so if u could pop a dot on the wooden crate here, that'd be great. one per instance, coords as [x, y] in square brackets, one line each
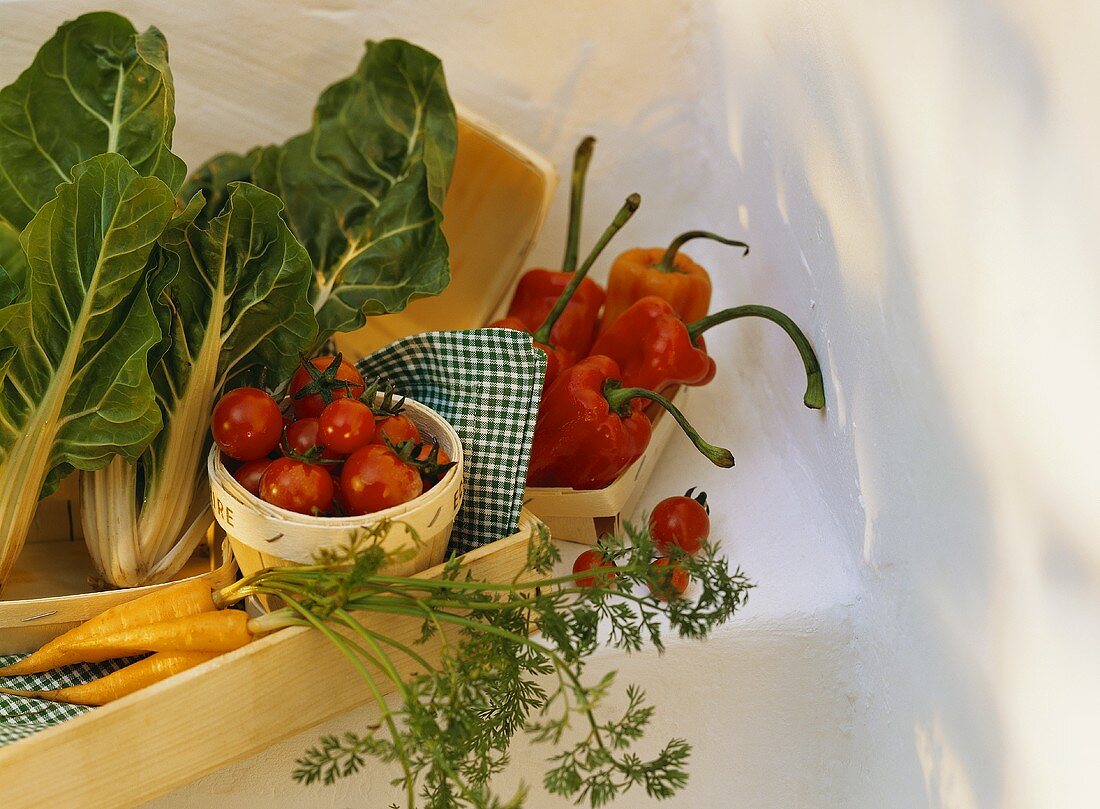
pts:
[585, 516]
[232, 707]
[176, 731]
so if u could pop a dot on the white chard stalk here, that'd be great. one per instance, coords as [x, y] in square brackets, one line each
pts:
[232, 296]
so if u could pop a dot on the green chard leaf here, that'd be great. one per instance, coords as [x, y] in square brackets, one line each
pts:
[364, 186]
[212, 180]
[77, 390]
[13, 265]
[232, 296]
[96, 86]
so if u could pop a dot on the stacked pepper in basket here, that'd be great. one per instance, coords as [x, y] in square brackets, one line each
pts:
[601, 374]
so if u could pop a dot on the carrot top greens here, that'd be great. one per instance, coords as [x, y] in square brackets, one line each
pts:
[513, 659]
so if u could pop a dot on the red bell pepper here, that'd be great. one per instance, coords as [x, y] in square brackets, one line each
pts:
[655, 349]
[539, 289]
[588, 432]
[561, 357]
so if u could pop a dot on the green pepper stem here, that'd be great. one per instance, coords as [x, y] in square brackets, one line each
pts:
[815, 388]
[581, 158]
[542, 335]
[668, 260]
[618, 400]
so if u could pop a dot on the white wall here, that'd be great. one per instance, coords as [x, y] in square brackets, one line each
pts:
[919, 183]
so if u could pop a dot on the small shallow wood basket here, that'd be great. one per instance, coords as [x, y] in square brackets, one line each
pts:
[263, 535]
[585, 516]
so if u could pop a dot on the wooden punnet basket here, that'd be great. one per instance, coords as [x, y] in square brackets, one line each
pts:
[263, 535]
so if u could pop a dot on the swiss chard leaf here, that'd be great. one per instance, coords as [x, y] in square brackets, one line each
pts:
[77, 389]
[241, 284]
[13, 265]
[96, 86]
[233, 296]
[364, 186]
[212, 180]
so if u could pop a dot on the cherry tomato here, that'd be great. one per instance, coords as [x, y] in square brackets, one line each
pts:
[374, 478]
[246, 424]
[397, 429]
[667, 580]
[332, 381]
[304, 434]
[593, 560]
[297, 486]
[250, 473]
[680, 522]
[346, 425]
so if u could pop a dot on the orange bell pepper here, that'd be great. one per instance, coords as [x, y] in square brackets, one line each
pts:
[664, 272]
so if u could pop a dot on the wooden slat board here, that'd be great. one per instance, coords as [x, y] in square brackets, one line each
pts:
[168, 735]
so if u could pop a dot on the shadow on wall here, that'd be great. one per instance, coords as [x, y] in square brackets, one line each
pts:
[816, 173]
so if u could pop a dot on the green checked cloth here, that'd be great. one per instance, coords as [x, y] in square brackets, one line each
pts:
[486, 383]
[21, 717]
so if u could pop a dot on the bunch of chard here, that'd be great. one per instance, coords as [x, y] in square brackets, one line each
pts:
[129, 304]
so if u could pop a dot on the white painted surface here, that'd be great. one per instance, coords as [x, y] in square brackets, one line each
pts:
[919, 184]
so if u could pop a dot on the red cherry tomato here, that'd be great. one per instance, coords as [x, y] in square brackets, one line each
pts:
[336, 382]
[667, 580]
[680, 522]
[297, 486]
[346, 425]
[397, 429]
[250, 473]
[593, 560]
[373, 478]
[246, 424]
[304, 434]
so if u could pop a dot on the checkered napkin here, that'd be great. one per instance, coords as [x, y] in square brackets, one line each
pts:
[21, 717]
[486, 383]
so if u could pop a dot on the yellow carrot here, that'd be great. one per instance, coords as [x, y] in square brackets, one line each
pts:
[220, 631]
[125, 681]
[176, 601]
